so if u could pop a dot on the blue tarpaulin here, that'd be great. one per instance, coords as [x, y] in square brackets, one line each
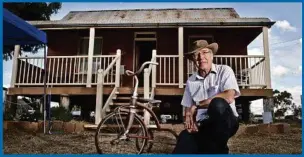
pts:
[16, 31]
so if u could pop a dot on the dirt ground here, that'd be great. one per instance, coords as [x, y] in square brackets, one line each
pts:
[20, 142]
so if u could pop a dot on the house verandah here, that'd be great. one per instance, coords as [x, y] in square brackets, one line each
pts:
[168, 79]
[89, 60]
[73, 67]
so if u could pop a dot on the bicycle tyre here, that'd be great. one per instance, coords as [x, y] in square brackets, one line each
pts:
[155, 140]
[114, 115]
[149, 143]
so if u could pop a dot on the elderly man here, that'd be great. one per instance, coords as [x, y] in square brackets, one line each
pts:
[209, 100]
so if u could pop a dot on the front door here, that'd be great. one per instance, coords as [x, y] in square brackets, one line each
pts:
[143, 53]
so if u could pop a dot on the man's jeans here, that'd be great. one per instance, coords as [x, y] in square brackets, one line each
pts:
[213, 133]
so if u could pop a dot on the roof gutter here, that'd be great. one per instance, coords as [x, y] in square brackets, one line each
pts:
[157, 25]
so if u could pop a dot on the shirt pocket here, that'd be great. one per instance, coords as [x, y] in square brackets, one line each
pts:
[194, 88]
[213, 90]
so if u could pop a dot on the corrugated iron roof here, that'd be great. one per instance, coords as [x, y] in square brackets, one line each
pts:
[201, 16]
[150, 14]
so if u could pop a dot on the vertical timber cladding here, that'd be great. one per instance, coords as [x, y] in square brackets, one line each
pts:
[59, 46]
[167, 44]
[123, 39]
[232, 41]
[113, 39]
[165, 41]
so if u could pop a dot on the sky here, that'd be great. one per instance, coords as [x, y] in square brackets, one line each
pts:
[285, 38]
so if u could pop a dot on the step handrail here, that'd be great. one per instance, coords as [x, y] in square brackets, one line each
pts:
[100, 108]
[147, 73]
[149, 94]
[103, 111]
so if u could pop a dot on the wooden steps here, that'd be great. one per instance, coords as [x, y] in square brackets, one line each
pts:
[122, 98]
[90, 126]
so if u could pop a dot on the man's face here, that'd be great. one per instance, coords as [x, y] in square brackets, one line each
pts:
[204, 59]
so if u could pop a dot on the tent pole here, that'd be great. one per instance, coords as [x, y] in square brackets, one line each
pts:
[44, 104]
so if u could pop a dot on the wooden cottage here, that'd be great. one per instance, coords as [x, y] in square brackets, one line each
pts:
[116, 40]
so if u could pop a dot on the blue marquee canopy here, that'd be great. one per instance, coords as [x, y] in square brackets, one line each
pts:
[16, 31]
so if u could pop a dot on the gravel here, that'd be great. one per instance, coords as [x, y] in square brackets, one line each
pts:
[21, 142]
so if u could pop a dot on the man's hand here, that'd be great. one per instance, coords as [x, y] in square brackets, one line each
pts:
[193, 110]
[191, 120]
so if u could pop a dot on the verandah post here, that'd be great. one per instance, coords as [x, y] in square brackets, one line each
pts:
[154, 69]
[15, 65]
[90, 56]
[99, 97]
[180, 57]
[117, 74]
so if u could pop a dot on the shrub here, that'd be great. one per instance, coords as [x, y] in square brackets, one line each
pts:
[60, 113]
[32, 117]
[8, 115]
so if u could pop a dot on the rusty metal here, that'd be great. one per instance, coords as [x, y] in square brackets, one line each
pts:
[202, 16]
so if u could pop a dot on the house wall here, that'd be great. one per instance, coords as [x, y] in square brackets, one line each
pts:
[113, 39]
[231, 42]
[62, 43]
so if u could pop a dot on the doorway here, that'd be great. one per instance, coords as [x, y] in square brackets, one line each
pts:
[143, 53]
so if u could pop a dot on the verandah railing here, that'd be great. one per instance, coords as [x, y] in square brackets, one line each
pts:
[72, 70]
[249, 69]
[62, 70]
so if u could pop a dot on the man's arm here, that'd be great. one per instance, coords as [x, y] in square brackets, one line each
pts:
[189, 105]
[187, 101]
[228, 95]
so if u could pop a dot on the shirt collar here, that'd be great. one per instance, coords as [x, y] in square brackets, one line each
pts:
[213, 70]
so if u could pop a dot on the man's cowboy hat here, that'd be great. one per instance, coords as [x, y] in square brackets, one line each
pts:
[200, 44]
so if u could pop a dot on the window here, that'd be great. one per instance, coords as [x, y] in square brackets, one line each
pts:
[84, 50]
[84, 46]
[145, 36]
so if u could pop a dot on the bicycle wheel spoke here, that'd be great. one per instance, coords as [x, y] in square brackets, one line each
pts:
[110, 135]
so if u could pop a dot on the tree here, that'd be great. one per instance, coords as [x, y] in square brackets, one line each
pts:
[280, 112]
[297, 111]
[282, 102]
[30, 12]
